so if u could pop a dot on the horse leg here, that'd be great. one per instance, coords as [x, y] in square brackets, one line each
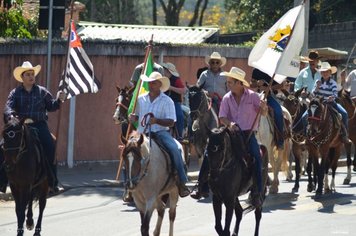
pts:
[145, 220]
[21, 200]
[217, 212]
[258, 216]
[297, 155]
[311, 186]
[320, 177]
[274, 186]
[228, 216]
[238, 214]
[160, 211]
[29, 220]
[347, 180]
[172, 211]
[42, 204]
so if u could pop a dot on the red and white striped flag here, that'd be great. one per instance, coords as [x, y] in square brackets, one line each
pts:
[79, 75]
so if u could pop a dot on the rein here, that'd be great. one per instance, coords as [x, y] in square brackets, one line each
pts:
[143, 172]
[21, 147]
[329, 130]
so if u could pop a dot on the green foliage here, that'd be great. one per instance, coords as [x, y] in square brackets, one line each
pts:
[14, 25]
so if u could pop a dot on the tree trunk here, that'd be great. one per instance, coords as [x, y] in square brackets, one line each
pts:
[172, 11]
[154, 12]
[202, 12]
[196, 14]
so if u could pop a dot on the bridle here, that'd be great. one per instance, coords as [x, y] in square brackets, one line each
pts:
[197, 111]
[21, 147]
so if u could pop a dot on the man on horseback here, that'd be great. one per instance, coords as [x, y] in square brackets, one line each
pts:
[327, 89]
[32, 101]
[309, 74]
[212, 81]
[161, 111]
[239, 109]
[175, 92]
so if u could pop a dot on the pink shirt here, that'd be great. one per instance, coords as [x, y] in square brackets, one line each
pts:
[243, 114]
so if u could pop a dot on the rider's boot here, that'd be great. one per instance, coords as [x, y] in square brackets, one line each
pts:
[201, 192]
[344, 135]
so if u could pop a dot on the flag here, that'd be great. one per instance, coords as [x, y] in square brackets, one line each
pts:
[277, 51]
[79, 75]
[141, 87]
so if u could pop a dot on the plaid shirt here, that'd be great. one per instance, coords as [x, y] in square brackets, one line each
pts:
[33, 104]
[162, 108]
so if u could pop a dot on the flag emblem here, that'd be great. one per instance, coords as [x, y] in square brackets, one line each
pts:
[280, 39]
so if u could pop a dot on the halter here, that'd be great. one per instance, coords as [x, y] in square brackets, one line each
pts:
[21, 147]
[143, 172]
[209, 102]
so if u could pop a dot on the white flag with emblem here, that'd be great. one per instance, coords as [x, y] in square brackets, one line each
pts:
[277, 51]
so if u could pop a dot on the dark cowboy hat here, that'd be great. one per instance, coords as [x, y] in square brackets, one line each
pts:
[313, 55]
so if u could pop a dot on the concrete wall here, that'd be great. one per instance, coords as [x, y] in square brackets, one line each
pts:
[96, 136]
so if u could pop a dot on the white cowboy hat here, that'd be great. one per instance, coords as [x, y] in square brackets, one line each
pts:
[325, 66]
[157, 76]
[26, 65]
[215, 56]
[304, 59]
[171, 67]
[236, 73]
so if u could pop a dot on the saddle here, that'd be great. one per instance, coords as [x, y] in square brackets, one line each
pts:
[335, 115]
[287, 133]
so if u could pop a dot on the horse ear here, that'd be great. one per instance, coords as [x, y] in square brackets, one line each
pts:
[118, 88]
[140, 141]
[123, 139]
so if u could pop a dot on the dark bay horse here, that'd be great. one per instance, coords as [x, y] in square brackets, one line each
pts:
[230, 177]
[122, 105]
[203, 118]
[151, 181]
[26, 171]
[297, 104]
[324, 143]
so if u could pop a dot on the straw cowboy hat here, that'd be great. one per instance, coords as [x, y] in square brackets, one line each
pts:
[237, 74]
[157, 76]
[25, 67]
[215, 56]
[325, 66]
[304, 59]
[171, 67]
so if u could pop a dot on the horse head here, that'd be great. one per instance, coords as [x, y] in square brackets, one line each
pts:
[14, 141]
[122, 104]
[198, 102]
[316, 115]
[133, 159]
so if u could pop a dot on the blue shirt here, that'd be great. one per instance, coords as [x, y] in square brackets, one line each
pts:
[326, 89]
[306, 79]
[34, 104]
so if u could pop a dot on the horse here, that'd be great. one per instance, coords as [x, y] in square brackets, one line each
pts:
[25, 167]
[230, 178]
[203, 118]
[324, 143]
[297, 104]
[122, 105]
[265, 136]
[350, 106]
[150, 179]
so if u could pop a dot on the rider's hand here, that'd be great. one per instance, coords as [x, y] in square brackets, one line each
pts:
[153, 120]
[61, 96]
[133, 117]
[13, 120]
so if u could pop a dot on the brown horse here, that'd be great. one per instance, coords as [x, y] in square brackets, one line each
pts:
[230, 178]
[297, 104]
[122, 105]
[324, 143]
[350, 106]
[26, 171]
[150, 179]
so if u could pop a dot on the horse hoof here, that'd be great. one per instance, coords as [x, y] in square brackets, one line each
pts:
[29, 224]
[273, 190]
[310, 188]
[295, 190]
[346, 181]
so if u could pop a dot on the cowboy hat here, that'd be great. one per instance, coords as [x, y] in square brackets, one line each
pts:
[313, 55]
[304, 59]
[325, 66]
[215, 56]
[238, 74]
[26, 65]
[157, 76]
[171, 68]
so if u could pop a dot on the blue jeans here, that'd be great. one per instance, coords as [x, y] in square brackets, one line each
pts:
[48, 146]
[176, 156]
[278, 117]
[254, 149]
[180, 119]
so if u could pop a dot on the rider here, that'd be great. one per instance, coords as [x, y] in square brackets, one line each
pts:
[33, 101]
[175, 92]
[163, 116]
[309, 74]
[327, 88]
[212, 81]
[262, 78]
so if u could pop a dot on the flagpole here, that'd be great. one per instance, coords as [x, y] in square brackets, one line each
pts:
[63, 76]
[274, 74]
[148, 50]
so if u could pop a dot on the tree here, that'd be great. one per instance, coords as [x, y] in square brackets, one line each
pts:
[172, 10]
[198, 14]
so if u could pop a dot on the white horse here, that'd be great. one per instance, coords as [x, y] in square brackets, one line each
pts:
[150, 180]
[279, 158]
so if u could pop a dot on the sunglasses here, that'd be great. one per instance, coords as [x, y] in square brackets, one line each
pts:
[214, 62]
